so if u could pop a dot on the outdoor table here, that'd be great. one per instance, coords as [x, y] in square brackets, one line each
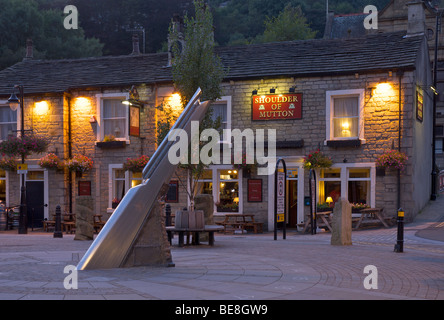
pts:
[373, 212]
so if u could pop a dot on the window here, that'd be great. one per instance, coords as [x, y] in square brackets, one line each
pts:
[136, 178]
[353, 181]
[225, 184]
[8, 122]
[359, 185]
[439, 146]
[330, 185]
[345, 114]
[228, 190]
[113, 116]
[3, 186]
[222, 109]
[118, 185]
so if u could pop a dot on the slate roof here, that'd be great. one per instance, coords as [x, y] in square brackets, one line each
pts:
[345, 26]
[293, 58]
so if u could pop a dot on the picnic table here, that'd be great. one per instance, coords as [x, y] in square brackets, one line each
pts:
[182, 231]
[372, 214]
[323, 219]
[240, 222]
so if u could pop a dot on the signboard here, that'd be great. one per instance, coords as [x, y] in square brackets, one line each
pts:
[134, 121]
[281, 217]
[280, 209]
[277, 107]
[22, 168]
[84, 188]
[254, 190]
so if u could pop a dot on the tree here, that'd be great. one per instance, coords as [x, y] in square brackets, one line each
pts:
[196, 66]
[23, 19]
[290, 24]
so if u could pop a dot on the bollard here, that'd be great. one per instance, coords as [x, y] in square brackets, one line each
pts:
[167, 215]
[399, 246]
[58, 223]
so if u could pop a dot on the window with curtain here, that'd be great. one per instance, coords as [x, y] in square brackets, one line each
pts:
[345, 117]
[8, 122]
[114, 118]
[118, 184]
[219, 110]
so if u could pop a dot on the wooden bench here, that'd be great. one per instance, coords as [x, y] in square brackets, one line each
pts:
[98, 223]
[182, 231]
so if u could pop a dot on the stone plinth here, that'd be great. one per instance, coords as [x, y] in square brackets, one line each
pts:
[84, 218]
[205, 203]
[342, 223]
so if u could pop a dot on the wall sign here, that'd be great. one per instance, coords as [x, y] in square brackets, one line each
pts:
[277, 106]
[419, 106]
[84, 188]
[254, 190]
[134, 121]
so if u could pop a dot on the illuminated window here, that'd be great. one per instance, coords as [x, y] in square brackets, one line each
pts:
[228, 190]
[345, 114]
[3, 186]
[112, 117]
[136, 179]
[8, 122]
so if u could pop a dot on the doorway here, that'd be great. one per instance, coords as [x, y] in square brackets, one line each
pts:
[292, 203]
[35, 198]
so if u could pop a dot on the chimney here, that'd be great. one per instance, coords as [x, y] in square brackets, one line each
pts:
[416, 18]
[136, 49]
[29, 50]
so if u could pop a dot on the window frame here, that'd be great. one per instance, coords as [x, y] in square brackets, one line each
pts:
[4, 103]
[100, 112]
[344, 178]
[330, 96]
[227, 100]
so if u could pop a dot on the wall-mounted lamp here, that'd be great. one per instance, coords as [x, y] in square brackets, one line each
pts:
[434, 90]
[292, 89]
[92, 119]
[272, 90]
[134, 99]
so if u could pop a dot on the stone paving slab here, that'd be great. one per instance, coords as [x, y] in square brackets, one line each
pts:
[238, 267]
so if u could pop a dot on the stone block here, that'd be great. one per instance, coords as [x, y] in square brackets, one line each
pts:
[341, 223]
[84, 218]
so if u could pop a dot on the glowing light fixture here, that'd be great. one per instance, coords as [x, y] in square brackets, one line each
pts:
[41, 108]
[329, 200]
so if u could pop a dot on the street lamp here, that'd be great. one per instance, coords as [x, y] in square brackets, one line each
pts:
[14, 103]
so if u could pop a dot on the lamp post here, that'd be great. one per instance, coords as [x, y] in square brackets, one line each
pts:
[14, 103]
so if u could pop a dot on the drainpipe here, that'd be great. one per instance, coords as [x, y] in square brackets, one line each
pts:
[400, 73]
[69, 153]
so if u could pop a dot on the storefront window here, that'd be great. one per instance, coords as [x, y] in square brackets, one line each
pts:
[3, 186]
[330, 185]
[228, 190]
[359, 186]
[136, 179]
[205, 183]
[118, 185]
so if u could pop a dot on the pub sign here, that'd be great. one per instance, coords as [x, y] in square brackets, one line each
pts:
[277, 106]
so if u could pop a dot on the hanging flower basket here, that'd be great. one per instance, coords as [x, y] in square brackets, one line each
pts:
[18, 146]
[8, 164]
[392, 159]
[136, 164]
[246, 167]
[79, 163]
[317, 160]
[51, 161]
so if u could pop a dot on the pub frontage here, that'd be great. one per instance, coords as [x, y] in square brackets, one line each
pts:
[351, 100]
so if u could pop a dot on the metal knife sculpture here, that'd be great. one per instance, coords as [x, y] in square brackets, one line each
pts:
[113, 244]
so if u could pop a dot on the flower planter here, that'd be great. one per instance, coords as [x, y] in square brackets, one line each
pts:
[111, 144]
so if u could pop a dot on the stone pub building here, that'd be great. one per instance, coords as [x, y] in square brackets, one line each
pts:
[352, 99]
